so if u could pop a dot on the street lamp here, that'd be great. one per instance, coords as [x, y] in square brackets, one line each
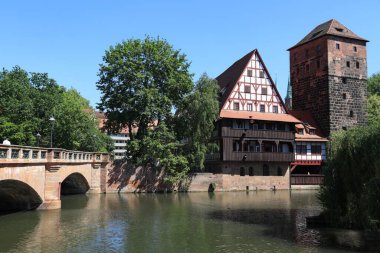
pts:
[52, 120]
[38, 138]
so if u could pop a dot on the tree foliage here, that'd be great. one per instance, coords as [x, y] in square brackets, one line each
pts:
[147, 84]
[352, 176]
[27, 102]
[374, 84]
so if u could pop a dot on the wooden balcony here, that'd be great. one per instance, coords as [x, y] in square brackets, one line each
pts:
[258, 134]
[306, 179]
[259, 157]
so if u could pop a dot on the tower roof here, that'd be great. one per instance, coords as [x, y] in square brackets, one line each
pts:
[331, 27]
[289, 90]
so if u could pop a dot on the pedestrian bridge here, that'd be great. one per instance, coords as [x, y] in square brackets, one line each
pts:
[35, 178]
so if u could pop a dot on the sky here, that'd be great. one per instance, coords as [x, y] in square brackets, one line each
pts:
[67, 39]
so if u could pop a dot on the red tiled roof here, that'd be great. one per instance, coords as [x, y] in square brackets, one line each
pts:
[231, 76]
[258, 116]
[308, 122]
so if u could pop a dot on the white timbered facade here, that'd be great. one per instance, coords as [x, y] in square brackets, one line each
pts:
[254, 91]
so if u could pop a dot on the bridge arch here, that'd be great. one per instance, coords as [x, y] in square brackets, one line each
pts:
[75, 183]
[16, 195]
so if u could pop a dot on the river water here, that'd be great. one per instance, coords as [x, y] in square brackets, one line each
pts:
[261, 221]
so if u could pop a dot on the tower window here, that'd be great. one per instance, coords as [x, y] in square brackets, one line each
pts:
[357, 65]
[344, 80]
[275, 109]
[261, 74]
[337, 46]
[264, 91]
[236, 106]
[344, 96]
[355, 48]
[247, 88]
[249, 72]
[262, 108]
[351, 114]
[318, 48]
[347, 64]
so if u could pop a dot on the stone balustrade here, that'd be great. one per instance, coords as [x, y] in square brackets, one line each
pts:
[26, 154]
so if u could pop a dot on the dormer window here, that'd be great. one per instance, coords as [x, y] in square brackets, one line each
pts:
[300, 131]
[339, 29]
[312, 131]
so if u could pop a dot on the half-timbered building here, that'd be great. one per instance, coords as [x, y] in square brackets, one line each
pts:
[255, 131]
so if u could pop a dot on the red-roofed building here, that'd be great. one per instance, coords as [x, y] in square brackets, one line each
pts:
[255, 132]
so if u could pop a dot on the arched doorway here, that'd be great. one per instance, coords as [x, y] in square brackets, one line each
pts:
[16, 196]
[75, 183]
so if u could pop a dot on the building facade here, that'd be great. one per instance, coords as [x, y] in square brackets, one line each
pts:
[328, 73]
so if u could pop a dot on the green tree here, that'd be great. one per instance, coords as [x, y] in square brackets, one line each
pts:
[374, 84]
[29, 100]
[196, 120]
[373, 109]
[352, 177]
[142, 82]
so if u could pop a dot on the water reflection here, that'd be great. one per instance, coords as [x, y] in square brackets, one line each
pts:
[196, 222]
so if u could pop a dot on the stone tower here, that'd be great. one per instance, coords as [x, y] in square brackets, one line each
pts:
[328, 71]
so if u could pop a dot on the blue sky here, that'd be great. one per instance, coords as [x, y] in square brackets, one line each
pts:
[67, 39]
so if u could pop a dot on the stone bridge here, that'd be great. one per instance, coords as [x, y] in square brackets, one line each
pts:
[32, 177]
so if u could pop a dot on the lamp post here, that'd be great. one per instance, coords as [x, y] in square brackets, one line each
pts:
[52, 120]
[38, 139]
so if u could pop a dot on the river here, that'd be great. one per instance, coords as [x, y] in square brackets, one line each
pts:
[261, 221]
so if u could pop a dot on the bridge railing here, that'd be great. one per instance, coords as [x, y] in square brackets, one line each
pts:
[27, 154]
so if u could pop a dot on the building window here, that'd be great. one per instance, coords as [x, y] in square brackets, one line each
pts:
[344, 96]
[236, 106]
[344, 80]
[318, 64]
[301, 149]
[275, 109]
[262, 108]
[337, 46]
[249, 107]
[236, 145]
[300, 131]
[279, 171]
[318, 48]
[357, 65]
[355, 48]
[351, 114]
[312, 131]
[316, 149]
[249, 72]
[306, 53]
[264, 91]
[250, 171]
[240, 124]
[347, 64]
[265, 170]
[295, 56]
[261, 74]
[247, 88]
[242, 171]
